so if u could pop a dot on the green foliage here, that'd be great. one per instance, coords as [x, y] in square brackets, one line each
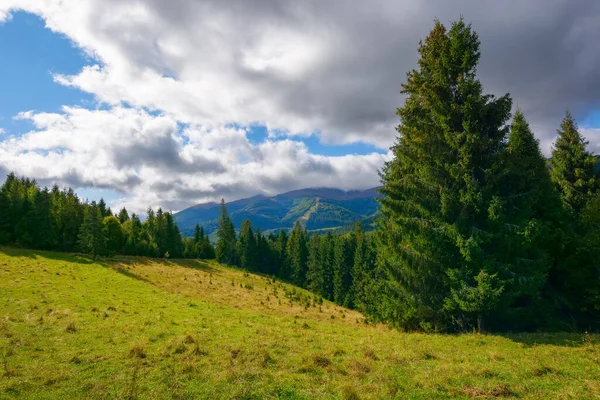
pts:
[92, 237]
[297, 255]
[436, 189]
[57, 220]
[226, 241]
[573, 167]
[247, 248]
[115, 238]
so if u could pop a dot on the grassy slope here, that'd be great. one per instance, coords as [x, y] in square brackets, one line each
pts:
[143, 328]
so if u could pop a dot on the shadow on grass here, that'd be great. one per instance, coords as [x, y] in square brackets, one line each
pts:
[51, 255]
[561, 339]
[175, 262]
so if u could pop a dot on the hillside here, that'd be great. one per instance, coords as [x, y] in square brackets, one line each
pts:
[316, 209]
[146, 328]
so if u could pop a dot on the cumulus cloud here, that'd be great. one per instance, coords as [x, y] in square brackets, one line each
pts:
[152, 162]
[332, 69]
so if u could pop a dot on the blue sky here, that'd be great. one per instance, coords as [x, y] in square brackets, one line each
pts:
[169, 104]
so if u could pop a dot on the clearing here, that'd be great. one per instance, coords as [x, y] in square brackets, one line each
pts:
[144, 328]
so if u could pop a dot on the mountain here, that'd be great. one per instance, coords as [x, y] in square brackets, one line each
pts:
[315, 208]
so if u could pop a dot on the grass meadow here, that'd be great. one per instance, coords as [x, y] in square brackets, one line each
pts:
[132, 328]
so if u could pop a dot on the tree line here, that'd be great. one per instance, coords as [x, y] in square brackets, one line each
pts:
[55, 219]
[337, 267]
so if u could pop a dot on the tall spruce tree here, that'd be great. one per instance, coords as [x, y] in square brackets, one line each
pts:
[246, 247]
[362, 269]
[526, 216]
[297, 253]
[327, 260]
[573, 167]
[314, 275]
[92, 238]
[435, 202]
[226, 242]
[575, 176]
[343, 262]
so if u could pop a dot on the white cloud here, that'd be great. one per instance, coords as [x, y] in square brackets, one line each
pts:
[148, 159]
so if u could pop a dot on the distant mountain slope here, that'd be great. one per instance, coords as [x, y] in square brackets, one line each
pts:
[315, 208]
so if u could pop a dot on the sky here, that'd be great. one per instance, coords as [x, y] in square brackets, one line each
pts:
[169, 104]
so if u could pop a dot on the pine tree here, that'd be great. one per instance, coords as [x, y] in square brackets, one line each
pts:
[123, 215]
[575, 176]
[198, 234]
[92, 239]
[226, 242]
[134, 235]
[102, 208]
[282, 268]
[526, 217]
[113, 231]
[434, 204]
[362, 270]
[314, 275]
[297, 253]
[573, 167]
[344, 249]
[327, 260]
[246, 247]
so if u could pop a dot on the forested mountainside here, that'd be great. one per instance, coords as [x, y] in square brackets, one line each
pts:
[315, 208]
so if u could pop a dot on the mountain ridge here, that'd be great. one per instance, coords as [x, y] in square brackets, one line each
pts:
[315, 208]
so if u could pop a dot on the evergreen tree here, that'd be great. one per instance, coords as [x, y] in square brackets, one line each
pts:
[102, 208]
[327, 260]
[123, 215]
[314, 275]
[573, 167]
[246, 247]
[133, 229]
[113, 231]
[297, 253]
[575, 176]
[226, 242]
[344, 249]
[198, 234]
[282, 268]
[526, 218]
[92, 239]
[435, 202]
[362, 270]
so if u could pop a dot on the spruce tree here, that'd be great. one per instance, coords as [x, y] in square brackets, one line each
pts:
[102, 208]
[344, 248]
[282, 269]
[226, 242]
[526, 217]
[573, 167]
[123, 215]
[327, 260]
[113, 231]
[246, 247]
[314, 275]
[435, 202]
[297, 253]
[92, 239]
[575, 176]
[362, 269]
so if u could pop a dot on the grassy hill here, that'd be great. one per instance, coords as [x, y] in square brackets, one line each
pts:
[144, 328]
[316, 209]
